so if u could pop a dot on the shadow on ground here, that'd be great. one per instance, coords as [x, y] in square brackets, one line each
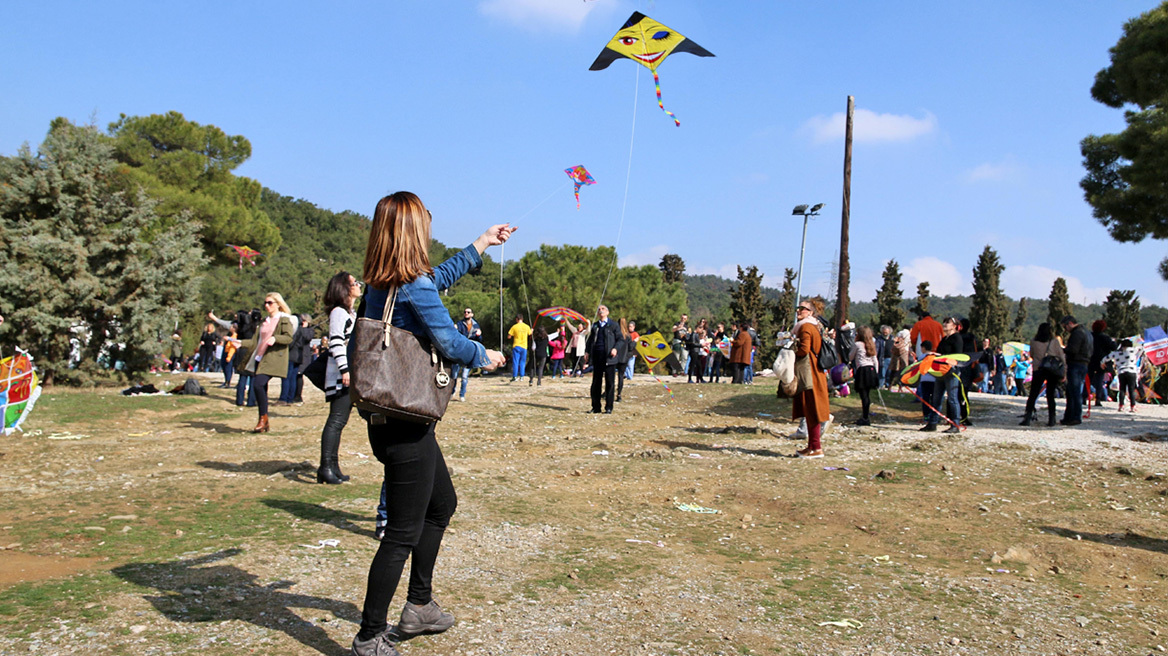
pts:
[698, 446]
[1126, 539]
[301, 472]
[314, 512]
[196, 590]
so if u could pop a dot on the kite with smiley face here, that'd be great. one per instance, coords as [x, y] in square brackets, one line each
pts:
[648, 43]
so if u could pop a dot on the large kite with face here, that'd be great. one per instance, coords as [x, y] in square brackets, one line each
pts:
[648, 43]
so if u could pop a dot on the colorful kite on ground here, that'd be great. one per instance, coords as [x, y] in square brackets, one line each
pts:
[935, 365]
[19, 390]
[1156, 345]
[245, 253]
[648, 43]
[580, 177]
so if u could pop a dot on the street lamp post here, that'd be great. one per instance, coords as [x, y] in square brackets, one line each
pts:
[803, 211]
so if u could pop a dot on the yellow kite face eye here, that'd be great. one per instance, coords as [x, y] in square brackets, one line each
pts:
[648, 42]
[653, 348]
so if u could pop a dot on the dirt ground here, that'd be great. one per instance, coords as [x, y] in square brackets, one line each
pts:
[160, 525]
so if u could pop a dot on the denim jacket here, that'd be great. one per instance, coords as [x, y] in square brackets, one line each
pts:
[419, 309]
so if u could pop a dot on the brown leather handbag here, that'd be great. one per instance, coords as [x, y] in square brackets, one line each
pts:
[394, 373]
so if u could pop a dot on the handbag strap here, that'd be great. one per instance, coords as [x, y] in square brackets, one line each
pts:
[387, 319]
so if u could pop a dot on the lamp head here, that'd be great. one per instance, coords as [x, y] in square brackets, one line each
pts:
[799, 210]
[816, 208]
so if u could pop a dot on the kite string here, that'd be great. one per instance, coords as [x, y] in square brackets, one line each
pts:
[526, 301]
[625, 201]
[503, 260]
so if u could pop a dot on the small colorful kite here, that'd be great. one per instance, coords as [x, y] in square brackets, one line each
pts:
[648, 43]
[653, 349]
[19, 390]
[580, 177]
[936, 365]
[245, 253]
[1011, 351]
[723, 346]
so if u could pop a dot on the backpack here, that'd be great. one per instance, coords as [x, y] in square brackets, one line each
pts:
[827, 357]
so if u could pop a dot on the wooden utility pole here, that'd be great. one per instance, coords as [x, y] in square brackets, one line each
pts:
[841, 303]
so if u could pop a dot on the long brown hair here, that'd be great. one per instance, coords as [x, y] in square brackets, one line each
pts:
[399, 241]
[868, 341]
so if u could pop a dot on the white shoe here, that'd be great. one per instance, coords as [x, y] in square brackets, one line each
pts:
[826, 425]
[462, 398]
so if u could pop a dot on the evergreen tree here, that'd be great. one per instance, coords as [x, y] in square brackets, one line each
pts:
[1058, 306]
[1121, 311]
[1020, 320]
[748, 303]
[74, 263]
[989, 312]
[1126, 171]
[672, 268]
[922, 305]
[890, 297]
[188, 168]
[784, 316]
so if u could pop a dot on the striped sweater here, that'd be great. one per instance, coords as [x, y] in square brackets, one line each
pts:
[341, 323]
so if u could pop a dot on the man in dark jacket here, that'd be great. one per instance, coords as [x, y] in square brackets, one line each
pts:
[1078, 350]
[602, 352]
[293, 385]
[1101, 346]
[969, 370]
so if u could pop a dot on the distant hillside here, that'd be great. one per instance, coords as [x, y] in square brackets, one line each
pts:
[709, 297]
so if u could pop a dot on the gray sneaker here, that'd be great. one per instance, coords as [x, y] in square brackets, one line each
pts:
[378, 645]
[424, 619]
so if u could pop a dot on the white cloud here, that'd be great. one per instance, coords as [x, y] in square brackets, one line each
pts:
[992, 172]
[536, 14]
[1033, 281]
[869, 126]
[944, 279]
[652, 256]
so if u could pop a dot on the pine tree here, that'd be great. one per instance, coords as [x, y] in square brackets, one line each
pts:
[989, 312]
[1121, 311]
[748, 303]
[672, 268]
[74, 262]
[1020, 320]
[922, 305]
[890, 297]
[1058, 306]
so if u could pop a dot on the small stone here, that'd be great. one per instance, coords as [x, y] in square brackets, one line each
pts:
[577, 472]
[178, 532]
[572, 575]
[954, 641]
[123, 518]
[748, 518]
[137, 628]
[126, 529]
[95, 529]
[1020, 633]
[1082, 621]
[886, 474]
[983, 509]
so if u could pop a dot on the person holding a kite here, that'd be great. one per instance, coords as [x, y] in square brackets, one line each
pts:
[810, 401]
[420, 496]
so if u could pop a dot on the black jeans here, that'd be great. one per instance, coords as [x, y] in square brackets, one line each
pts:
[260, 384]
[420, 500]
[606, 374]
[537, 368]
[330, 437]
[1036, 383]
[866, 379]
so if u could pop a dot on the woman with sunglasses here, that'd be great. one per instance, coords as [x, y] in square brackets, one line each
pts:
[810, 403]
[468, 328]
[419, 495]
[269, 349]
[339, 297]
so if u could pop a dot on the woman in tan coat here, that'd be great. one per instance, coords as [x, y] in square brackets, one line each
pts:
[740, 353]
[269, 349]
[810, 402]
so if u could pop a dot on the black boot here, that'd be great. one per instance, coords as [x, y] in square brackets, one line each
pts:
[325, 473]
[338, 473]
[1051, 421]
[1028, 418]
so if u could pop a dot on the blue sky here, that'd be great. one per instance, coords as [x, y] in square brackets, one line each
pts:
[968, 121]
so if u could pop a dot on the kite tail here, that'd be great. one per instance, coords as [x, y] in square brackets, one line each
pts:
[657, 84]
[577, 198]
[665, 385]
[939, 413]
